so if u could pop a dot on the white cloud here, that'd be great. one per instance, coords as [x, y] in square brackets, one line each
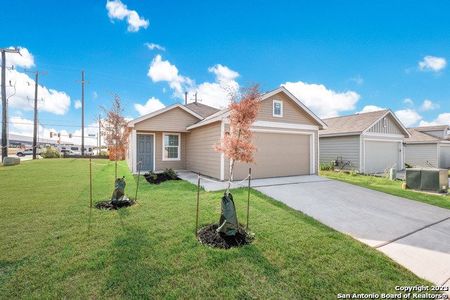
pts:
[118, 10]
[163, 70]
[77, 104]
[153, 46]
[151, 105]
[357, 79]
[408, 117]
[24, 60]
[432, 63]
[370, 108]
[216, 93]
[442, 119]
[428, 105]
[408, 101]
[323, 101]
[50, 100]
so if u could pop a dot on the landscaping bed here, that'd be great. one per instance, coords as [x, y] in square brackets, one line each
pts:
[157, 178]
[209, 236]
[113, 205]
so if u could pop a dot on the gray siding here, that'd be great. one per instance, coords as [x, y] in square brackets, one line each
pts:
[437, 133]
[346, 147]
[390, 127]
[444, 156]
[421, 155]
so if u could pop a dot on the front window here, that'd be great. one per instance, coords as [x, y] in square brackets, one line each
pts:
[277, 108]
[171, 146]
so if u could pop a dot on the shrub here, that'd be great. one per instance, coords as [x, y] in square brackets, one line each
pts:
[50, 152]
[327, 166]
[170, 173]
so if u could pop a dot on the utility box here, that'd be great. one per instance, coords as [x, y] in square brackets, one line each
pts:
[427, 179]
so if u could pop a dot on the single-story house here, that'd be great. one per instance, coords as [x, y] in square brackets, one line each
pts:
[367, 142]
[428, 146]
[182, 137]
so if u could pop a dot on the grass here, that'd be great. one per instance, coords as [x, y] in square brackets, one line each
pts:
[54, 246]
[390, 187]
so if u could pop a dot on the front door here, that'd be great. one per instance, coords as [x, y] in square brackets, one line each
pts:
[144, 150]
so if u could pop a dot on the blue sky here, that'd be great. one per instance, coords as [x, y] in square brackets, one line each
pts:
[337, 57]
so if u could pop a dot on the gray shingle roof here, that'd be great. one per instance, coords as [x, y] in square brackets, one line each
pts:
[356, 123]
[201, 109]
[419, 137]
[431, 128]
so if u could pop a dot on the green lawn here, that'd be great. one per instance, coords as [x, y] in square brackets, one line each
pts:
[54, 246]
[388, 186]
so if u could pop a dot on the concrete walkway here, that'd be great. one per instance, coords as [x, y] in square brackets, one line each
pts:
[414, 234]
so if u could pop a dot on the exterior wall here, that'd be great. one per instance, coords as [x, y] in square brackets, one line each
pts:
[292, 113]
[175, 120]
[444, 156]
[418, 155]
[160, 165]
[391, 127]
[201, 156]
[347, 147]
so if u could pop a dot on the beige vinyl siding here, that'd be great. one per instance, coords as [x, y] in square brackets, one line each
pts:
[417, 155]
[174, 120]
[391, 126]
[292, 113]
[444, 156]
[347, 147]
[201, 156]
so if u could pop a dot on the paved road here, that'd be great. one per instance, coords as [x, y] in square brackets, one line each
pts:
[414, 234]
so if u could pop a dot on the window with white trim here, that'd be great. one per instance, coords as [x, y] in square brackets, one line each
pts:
[277, 108]
[171, 146]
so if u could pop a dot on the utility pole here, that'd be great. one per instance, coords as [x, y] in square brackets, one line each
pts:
[36, 82]
[5, 102]
[82, 113]
[99, 134]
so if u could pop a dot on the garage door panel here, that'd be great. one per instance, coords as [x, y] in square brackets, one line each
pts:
[277, 155]
[381, 155]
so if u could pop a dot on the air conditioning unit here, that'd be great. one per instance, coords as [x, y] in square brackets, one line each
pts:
[427, 179]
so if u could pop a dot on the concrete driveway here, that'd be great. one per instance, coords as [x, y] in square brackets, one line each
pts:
[414, 234]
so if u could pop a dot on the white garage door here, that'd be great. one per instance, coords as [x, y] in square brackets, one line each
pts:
[278, 154]
[380, 156]
[444, 157]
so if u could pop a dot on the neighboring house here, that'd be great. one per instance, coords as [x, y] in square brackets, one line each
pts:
[367, 142]
[182, 137]
[428, 146]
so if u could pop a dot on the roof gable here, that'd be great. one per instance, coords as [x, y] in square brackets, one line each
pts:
[132, 123]
[357, 124]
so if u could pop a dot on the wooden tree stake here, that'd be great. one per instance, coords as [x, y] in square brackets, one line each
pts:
[198, 203]
[90, 181]
[248, 195]
[139, 176]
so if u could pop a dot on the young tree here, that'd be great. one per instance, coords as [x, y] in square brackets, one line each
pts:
[115, 130]
[237, 146]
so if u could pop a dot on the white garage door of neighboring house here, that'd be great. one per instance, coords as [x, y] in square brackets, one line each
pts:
[278, 154]
[444, 157]
[381, 155]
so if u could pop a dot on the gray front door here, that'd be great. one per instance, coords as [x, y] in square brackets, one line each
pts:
[145, 151]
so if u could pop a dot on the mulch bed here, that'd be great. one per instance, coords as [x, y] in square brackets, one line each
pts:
[113, 205]
[209, 236]
[160, 177]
